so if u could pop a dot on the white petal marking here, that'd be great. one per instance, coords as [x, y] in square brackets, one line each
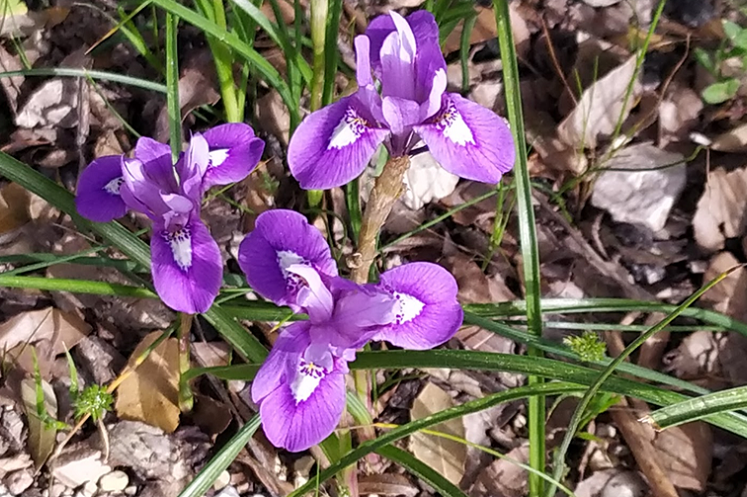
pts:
[286, 259]
[217, 157]
[114, 185]
[452, 125]
[408, 307]
[348, 130]
[307, 380]
[180, 242]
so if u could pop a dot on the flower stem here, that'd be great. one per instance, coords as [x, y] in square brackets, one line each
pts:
[186, 400]
[386, 191]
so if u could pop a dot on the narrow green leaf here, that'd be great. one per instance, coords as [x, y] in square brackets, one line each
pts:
[698, 408]
[415, 466]
[83, 73]
[207, 476]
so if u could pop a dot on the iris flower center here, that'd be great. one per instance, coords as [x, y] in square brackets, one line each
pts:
[180, 242]
[114, 185]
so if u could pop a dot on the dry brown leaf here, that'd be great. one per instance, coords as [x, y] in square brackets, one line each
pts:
[41, 438]
[150, 393]
[426, 181]
[448, 457]
[685, 454]
[54, 103]
[600, 107]
[14, 207]
[274, 116]
[485, 29]
[387, 484]
[721, 210]
[734, 140]
[61, 330]
[503, 477]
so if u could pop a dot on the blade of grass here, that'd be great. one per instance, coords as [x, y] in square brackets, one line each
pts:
[415, 466]
[172, 85]
[527, 236]
[207, 476]
[690, 410]
[85, 73]
[575, 423]
[75, 286]
[331, 51]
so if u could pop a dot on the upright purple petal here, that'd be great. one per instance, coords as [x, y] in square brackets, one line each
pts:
[398, 74]
[234, 153]
[187, 267]
[140, 191]
[469, 140]
[314, 297]
[98, 194]
[427, 311]
[333, 145]
[156, 157]
[305, 409]
[282, 238]
[362, 61]
[192, 168]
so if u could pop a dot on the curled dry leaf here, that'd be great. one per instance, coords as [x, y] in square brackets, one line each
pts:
[446, 456]
[600, 107]
[426, 181]
[41, 437]
[721, 209]
[150, 393]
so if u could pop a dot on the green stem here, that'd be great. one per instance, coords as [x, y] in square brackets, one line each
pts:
[172, 85]
[75, 286]
[527, 235]
[186, 400]
[319, 9]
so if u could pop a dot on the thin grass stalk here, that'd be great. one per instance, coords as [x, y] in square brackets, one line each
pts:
[319, 11]
[527, 236]
[330, 51]
[224, 65]
[575, 423]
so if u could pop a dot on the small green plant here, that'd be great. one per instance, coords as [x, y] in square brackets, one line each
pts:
[94, 400]
[727, 64]
[588, 346]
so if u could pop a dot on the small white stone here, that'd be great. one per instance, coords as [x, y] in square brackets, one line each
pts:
[228, 492]
[18, 481]
[222, 481]
[131, 490]
[114, 482]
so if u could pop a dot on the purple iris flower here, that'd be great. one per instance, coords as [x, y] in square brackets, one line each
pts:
[333, 145]
[186, 263]
[300, 388]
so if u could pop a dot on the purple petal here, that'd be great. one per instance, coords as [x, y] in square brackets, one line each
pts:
[401, 115]
[469, 140]
[304, 411]
[192, 168]
[234, 153]
[283, 357]
[333, 145]
[398, 61]
[313, 296]
[280, 239]
[157, 159]
[98, 194]
[187, 267]
[427, 313]
[139, 191]
[362, 61]
[358, 315]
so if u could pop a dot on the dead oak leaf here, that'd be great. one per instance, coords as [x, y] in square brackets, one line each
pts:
[150, 393]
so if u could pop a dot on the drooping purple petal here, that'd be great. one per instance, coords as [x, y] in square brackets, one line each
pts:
[140, 191]
[98, 194]
[290, 344]
[234, 153]
[427, 311]
[306, 409]
[333, 145]
[280, 239]
[469, 140]
[186, 265]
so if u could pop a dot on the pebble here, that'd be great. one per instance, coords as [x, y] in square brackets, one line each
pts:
[115, 481]
[222, 481]
[131, 490]
[18, 481]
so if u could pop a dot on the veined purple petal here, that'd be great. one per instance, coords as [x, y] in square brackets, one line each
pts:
[289, 346]
[469, 140]
[359, 313]
[282, 238]
[427, 311]
[333, 145]
[401, 115]
[140, 191]
[187, 267]
[306, 408]
[234, 153]
[98, 194]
